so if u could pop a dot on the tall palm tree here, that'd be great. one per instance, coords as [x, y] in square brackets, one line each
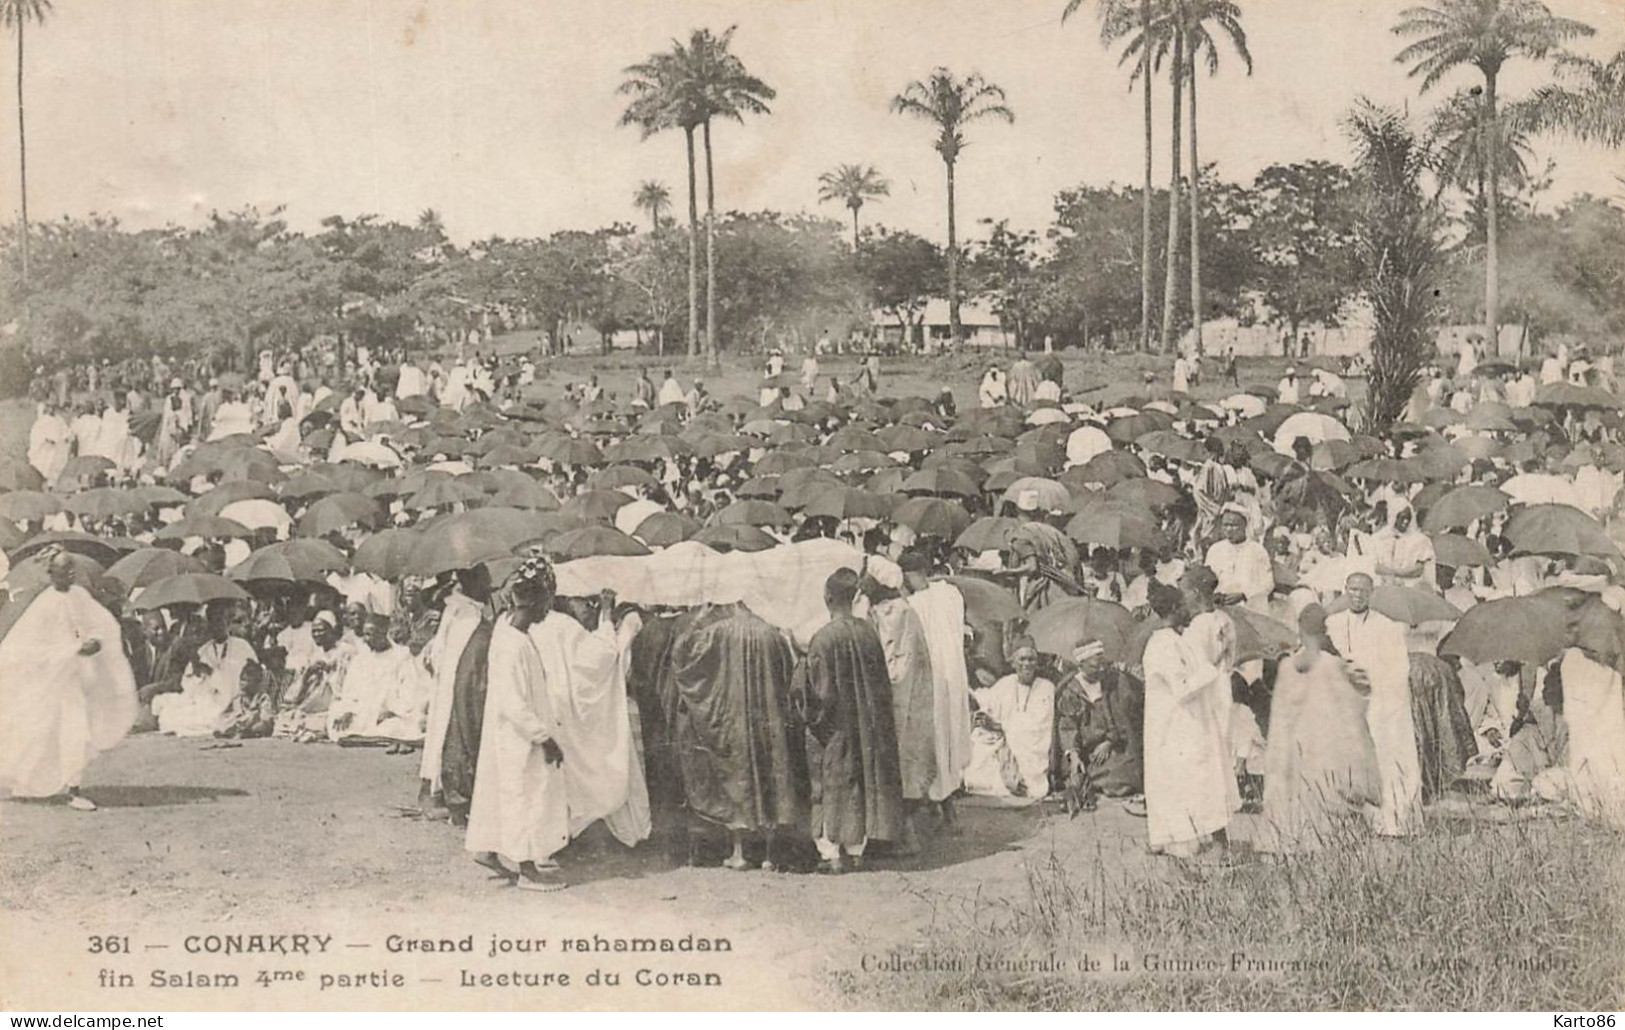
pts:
[951, 103]
[1485, 35]
[852, 185]
[429, 221]
[1460, 144]
[653, 197]
[1118, 10]
[1205, 20]
[723, 88]
[660, 101]
[15, 15]
[1591, 106]
[1151, 41]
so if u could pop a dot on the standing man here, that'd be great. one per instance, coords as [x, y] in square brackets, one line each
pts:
[520, 812]
[1246, 576]
[844, 689]
[941, 609]
[1187, 768]
[908, 666]
[67, 693]
[1376, 644]
[466, 608]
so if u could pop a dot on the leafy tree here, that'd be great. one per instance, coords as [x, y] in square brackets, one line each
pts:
[1589, 104]
[1005, 267]
[901, 272]
[1304, 229]
[950, 104]
[1094, 288]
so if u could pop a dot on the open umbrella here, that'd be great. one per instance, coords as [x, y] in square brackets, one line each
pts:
[106, 502]
[339, 511]
[1386, 470]
[986, 603]
[592, 541]
[150, 565]
[34, 572]
[1044, 494]
[941, 481]
[1511, 629]
[28, 506]
[1145, 493]
[570, 450]
[1317, 427]
[1073, 621]
[932, 516]
[387, 553]
[189, 588]
[206, 527]
[1258, 637]
[1558, 529]
[465, 539]
[617, 476]
[799, 486]
[734, 537]
[528, 494]
[760, 488]
[751, 513]
[1567, 395]
[258, 513]
[294, 561]
[1107, 468]
[1408, 605]
[1459, 551]
[988, 534]
[848, 503]
[1465, 505]
[1170, 444]
[19, 475]
[443, 492]
[665, 528]
[595, 505]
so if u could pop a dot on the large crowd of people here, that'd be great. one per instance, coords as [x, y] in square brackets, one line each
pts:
[823, 616]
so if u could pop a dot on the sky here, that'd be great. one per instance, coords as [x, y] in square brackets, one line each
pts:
[502, 114]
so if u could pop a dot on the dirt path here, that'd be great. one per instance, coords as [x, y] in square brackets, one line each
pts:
[278, 838]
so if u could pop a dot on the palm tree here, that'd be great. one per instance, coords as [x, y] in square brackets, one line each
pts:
[661, 101]
[1153, 40]
[1202, 18]
[852, 185]
[429, 221]
[951, 103]
[1118, 10]
[1457, 135]
[1591, 110]
[724, 89]
[1482, 34]
[653, 197]
[15, 15]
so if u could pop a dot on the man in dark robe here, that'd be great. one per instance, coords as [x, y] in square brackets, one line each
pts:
[845, 693]
[460, 755]
[1099, 717]
[1444, 735]
[651, 682]
[743, 763]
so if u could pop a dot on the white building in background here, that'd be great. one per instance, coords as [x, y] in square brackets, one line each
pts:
[1222, 334]
[981, 325]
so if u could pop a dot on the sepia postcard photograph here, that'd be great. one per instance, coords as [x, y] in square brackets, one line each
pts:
[812, 505]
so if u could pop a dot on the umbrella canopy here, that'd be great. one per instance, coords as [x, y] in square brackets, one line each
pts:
[1540, 488]
[570, 450]
[1567, 395]
[1386, 470]
[258, 513]
[986, 603]
[592, 541]
[469, 538]
[989, 534]
[150, 565]
[105, 550]
[190, 588]
[106, 502]
[1408, 605]
[932, 516]
[1459, 551]
[1317, 427]
[387, 554]
[734, 537]
[942, 481]
[752, 513]
[1170, 444]
[1465, 505]
[665, 528]
[1073, 621]
[1145, 493]
[595, 505]
[1107, 468]
[295, 561]
[35, 572]
[1511, 629]
[1258, 637]
[443, 492]
[19, 475]
[156, 495]
[528, 494]
[28, 506]
[760, 488]
[848, 503]
[1127, 430]
[206, 527]
[371, 453]
[1115, 524]
[649, 448]
[617, 476]
[799, 486]
[337, 512]
[1558, 529]
[1043, 494]
[863, 461]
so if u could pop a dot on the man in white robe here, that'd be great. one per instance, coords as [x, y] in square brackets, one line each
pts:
[520, 812]
[1188, 774]
[50, 443]
[1376, 644]
[466, 607]
[670, 392]
[209, 685]
[233, 418]
[1595, 713]
[941, 609]
[1018, 713]
[1213, 637]
[382, 695]
[67, 692]
[1245, 573]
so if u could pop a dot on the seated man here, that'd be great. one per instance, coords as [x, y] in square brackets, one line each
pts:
[1534, 763]
[212, 680]
[252, 712]
[1013, 725]
[1099, 718]
[302, 710]
[382, 697]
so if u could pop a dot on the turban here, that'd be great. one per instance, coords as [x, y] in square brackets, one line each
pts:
[535, 577]
[326, 618]
[884, 571]
[1022, 643]
[1093, 649]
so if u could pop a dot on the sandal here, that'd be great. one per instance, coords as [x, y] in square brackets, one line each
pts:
[545, 885]
[495, 865]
